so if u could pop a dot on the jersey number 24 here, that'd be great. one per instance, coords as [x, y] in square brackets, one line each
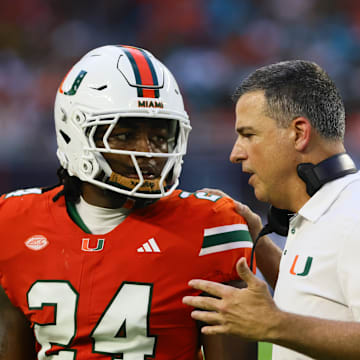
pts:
[127, 313]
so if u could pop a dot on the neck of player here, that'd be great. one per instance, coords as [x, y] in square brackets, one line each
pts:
[97, 196]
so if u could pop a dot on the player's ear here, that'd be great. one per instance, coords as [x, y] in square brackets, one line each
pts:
[302, 132]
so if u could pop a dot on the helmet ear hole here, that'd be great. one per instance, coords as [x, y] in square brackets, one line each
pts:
[86, 167]
[79, 117]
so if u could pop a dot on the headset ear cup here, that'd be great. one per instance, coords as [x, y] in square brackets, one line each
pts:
[334, 167]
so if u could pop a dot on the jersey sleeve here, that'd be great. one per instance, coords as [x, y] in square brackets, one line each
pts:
[226, 239]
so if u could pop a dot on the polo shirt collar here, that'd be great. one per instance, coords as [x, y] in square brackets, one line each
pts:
[321, 201]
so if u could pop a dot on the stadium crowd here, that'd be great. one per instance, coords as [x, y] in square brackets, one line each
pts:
[209, 45]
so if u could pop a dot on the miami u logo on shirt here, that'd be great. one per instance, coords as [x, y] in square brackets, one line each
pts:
[306, 269]
[85, 245]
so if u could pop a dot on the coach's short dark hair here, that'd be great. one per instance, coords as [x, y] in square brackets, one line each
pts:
[299, 88]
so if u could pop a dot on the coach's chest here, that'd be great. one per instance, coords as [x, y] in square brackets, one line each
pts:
[308, 280]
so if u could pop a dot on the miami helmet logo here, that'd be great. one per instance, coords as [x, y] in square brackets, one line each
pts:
[75, 85]
[150, 104]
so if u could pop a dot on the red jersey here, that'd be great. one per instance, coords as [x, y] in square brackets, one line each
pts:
[118, 295]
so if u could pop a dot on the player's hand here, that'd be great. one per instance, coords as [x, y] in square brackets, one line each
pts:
[253, 220]
[250, 313]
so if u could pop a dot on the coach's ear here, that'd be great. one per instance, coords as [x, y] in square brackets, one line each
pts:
[302, 133]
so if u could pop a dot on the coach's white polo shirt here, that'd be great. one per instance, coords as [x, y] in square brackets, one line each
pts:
[320, 266]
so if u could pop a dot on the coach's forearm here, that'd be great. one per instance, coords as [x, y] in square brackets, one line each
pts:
[268, 257]
[317, 338]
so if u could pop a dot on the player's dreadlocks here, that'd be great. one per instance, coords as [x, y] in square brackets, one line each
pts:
[72, 186]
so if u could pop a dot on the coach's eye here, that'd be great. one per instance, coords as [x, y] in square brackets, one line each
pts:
[248, 135]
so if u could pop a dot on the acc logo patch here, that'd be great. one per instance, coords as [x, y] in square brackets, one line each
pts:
[36, 242]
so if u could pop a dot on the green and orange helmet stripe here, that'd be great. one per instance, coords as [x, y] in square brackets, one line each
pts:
[144, 71]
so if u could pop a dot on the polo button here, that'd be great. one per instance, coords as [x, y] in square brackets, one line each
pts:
[293, 231]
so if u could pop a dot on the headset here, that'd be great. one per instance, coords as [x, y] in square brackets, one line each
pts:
[314, 176]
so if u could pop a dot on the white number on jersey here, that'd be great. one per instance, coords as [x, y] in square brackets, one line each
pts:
[200, 195]
[128, 311]
[63, 297]
[121, 330]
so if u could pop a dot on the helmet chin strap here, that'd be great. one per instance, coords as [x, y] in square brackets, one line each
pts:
[149, 186]
[113, 178]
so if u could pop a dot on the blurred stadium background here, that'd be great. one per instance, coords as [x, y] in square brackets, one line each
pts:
[210, 45]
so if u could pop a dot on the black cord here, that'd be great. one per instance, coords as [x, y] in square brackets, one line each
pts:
[264, 231]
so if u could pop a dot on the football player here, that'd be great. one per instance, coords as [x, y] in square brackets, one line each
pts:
[96, 267]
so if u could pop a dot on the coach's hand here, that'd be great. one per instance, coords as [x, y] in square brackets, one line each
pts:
[253, 220]
[250, 313]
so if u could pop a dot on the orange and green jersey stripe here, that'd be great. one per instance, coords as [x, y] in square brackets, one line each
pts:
[223, 238]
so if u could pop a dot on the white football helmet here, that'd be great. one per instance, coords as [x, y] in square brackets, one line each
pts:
[107, 84]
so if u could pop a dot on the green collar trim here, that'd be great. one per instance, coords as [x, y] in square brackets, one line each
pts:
[75, 217]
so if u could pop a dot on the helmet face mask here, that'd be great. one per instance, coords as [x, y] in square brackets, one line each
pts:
[104, 89]
[128, 167]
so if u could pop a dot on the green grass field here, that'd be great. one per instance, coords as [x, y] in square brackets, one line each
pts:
[265, 351]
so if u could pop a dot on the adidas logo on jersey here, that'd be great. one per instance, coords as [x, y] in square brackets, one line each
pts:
[149, 246]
